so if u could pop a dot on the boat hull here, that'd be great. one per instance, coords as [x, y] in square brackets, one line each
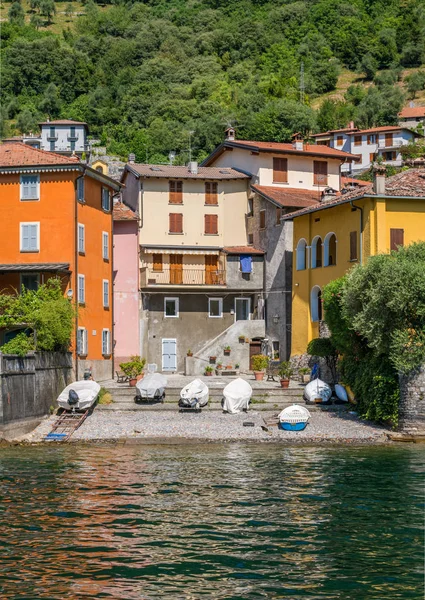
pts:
[87, 392]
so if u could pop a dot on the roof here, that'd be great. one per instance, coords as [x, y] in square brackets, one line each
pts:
[242, 250]
[407, 184]
[52, 267]
[344, 130]
[124, 213]
[412, 112]
[63, 122]
[17, 154]
[281, 148]
[346, 181]
[288, 197]
[182, 172]
[356, 131]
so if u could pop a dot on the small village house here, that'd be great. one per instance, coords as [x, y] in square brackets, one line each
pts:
[57, 222]
[411, 116]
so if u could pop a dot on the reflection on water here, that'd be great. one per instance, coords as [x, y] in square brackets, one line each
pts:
[213, 521]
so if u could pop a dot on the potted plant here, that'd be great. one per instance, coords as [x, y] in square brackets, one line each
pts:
[133, 369]
[241, 339]
[227, 350]
[305, 374]
[208, 371]
[237, 365]
[229, 367]
[260, 363]
[189, 352]
[285, 373]
[219, 366]
[212, 360]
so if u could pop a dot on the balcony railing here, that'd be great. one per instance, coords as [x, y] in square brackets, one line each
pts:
[182, 276]
[392, 144]
[73, 138]
[52, 138]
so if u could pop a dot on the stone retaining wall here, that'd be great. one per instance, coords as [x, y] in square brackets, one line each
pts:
[412, 398]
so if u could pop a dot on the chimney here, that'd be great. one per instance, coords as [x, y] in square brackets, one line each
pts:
[298, 142]
[379, 176]
[132, 158]
[328, 195]
[193, 167]
[230, 134]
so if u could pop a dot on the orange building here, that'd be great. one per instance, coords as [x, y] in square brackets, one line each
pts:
[57, 222]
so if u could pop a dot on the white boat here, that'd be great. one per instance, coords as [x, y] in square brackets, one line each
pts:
[237, 395]
[317, 391]
[79, 395]
[151, 387]
[294, 418]
[194, 395]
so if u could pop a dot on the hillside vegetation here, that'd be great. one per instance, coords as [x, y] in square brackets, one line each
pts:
[157, 76]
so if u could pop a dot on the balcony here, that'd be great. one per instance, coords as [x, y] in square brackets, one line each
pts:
[52, 138]
[392, 144]
[73, 138]
[185, 276]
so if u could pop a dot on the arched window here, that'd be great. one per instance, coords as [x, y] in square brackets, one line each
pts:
[301, 255]
[316, 252]
[100, 169]
[316, 304]
[330, 249]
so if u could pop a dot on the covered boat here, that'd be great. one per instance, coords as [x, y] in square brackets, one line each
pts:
[194, 395]
[341, 392]
[151, 387]
[237, 395]
[79, 395]
[317, 391]
[294, 418]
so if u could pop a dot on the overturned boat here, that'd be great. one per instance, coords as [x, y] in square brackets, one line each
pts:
[294, 418]
[237, 395]
[151, 387]
[194, 395]
[317, 391]
[80, 395]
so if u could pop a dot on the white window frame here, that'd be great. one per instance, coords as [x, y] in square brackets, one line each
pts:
[21, 236]
[82, 342]
[37, 198]
[105, 293]
[81, 289]
[249, 307]
[176, 300]
[105, 236]
[106, 349]
[220, 306]
[81, 247]
[104, 190]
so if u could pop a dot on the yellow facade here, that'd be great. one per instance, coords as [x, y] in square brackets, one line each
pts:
[380, 216]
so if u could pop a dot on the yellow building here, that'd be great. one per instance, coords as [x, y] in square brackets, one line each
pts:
[331, 237]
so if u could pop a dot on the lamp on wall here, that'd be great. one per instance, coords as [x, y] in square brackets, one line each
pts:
[276, 319]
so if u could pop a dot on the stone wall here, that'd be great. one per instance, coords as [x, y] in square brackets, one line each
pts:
[412, 398]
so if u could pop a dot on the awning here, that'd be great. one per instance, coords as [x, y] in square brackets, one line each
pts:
[196, 252]
[47, 267]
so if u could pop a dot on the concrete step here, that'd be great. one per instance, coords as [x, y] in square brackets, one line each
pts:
[172, 393]
[212, 406]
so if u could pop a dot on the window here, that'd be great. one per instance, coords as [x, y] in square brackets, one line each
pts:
[357, 140]
[339, 140]
[215, 308]
[81, 289]
[262, 219]
[359, 156]
[30, 237]
[250, 239]
[211, 224]
[316, 304]
[52, 146]
[100, 169]
[175, 192]
[371, 157]
[171, 307]
[390, 155]
[176, 223]
[371, 139]
[278, 215]
[80, 189]
[82, 345]
[242, 309]
[30, 281]
[275, 350]
[211, 194]
[105, 245]
[316, 253]
[157, 263]
[396, 238]
[280, 170]
[301, 255]
[81, 238]
[51, 132]
[320, 172]
[106, 199]
[330, 250]
[353, 245]
[30, 187]
[106, 342]
[105, 293]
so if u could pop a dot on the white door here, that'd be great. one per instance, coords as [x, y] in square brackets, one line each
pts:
[169, 355]
[242, 309]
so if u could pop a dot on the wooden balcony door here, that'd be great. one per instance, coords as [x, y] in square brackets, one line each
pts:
[388, 140]
[176, 269]
[211, 270]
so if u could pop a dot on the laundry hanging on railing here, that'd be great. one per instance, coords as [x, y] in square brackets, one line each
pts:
[246, 263]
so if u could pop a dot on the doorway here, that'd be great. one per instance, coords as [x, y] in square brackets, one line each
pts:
[176, 269]
[169, 354]
[254, 348]
[242, 309]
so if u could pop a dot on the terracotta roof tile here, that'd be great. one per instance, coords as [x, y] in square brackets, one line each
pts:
[412, 112]
[288, 197]
[347, 181]
[63, 122]
[124, 213]
[20, 155]
[308, 149]
[183, 172]
[242, 250]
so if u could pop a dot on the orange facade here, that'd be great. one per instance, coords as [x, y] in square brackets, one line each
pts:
[55, 234]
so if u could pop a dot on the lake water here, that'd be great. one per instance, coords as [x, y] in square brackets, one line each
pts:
[230, 521]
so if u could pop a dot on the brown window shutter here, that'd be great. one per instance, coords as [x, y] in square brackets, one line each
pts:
[357, 140]
[353, 245]
[157, 262]
[211, 193]
[207, 193]
[396, 238]
[176, 223]
[280, 170]
[176, 192]
[262, 219]
[211, 224]
[371, 157]
[320, 172]
[388, 139]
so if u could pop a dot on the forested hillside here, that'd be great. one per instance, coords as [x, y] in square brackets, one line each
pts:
[154, 76]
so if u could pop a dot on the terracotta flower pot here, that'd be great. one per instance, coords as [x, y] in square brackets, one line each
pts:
[208, 374]
[229, 367]
[306, 378]
[284, 383]
[139, 377]
[227, 353]
[259, 375]
[133, 382]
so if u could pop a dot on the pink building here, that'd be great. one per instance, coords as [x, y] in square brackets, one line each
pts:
[126, 284]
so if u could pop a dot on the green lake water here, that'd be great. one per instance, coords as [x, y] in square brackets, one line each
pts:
[233, 521]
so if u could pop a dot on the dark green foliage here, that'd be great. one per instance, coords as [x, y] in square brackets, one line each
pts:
[21, 344]
[416, 82]
[325, 348]
[16, 14]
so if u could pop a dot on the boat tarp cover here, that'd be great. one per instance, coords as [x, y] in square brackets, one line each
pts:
[152, 384]
[196, 389]
[86, 389]
[237, 395]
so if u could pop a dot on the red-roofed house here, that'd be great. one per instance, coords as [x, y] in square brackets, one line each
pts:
[411, 116]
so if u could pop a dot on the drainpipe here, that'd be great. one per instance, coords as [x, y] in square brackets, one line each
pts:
[76, 268]
[361, 228]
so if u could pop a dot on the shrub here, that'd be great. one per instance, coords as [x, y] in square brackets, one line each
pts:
[325, 348]
[133, 367]
[20, 345]
[285, 370]
[260, 362]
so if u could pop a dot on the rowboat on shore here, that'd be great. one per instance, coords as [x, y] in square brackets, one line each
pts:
[194, 395]
[80, 395]
[237, 395]
[317, 391]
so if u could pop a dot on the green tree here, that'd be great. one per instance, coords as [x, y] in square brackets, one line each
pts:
[50, 103]
[415, 83]
[69, 10]
[36, 21]
[16, 14]
[368, 66]
[35, 4]
[26, 121]
[47, 9]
